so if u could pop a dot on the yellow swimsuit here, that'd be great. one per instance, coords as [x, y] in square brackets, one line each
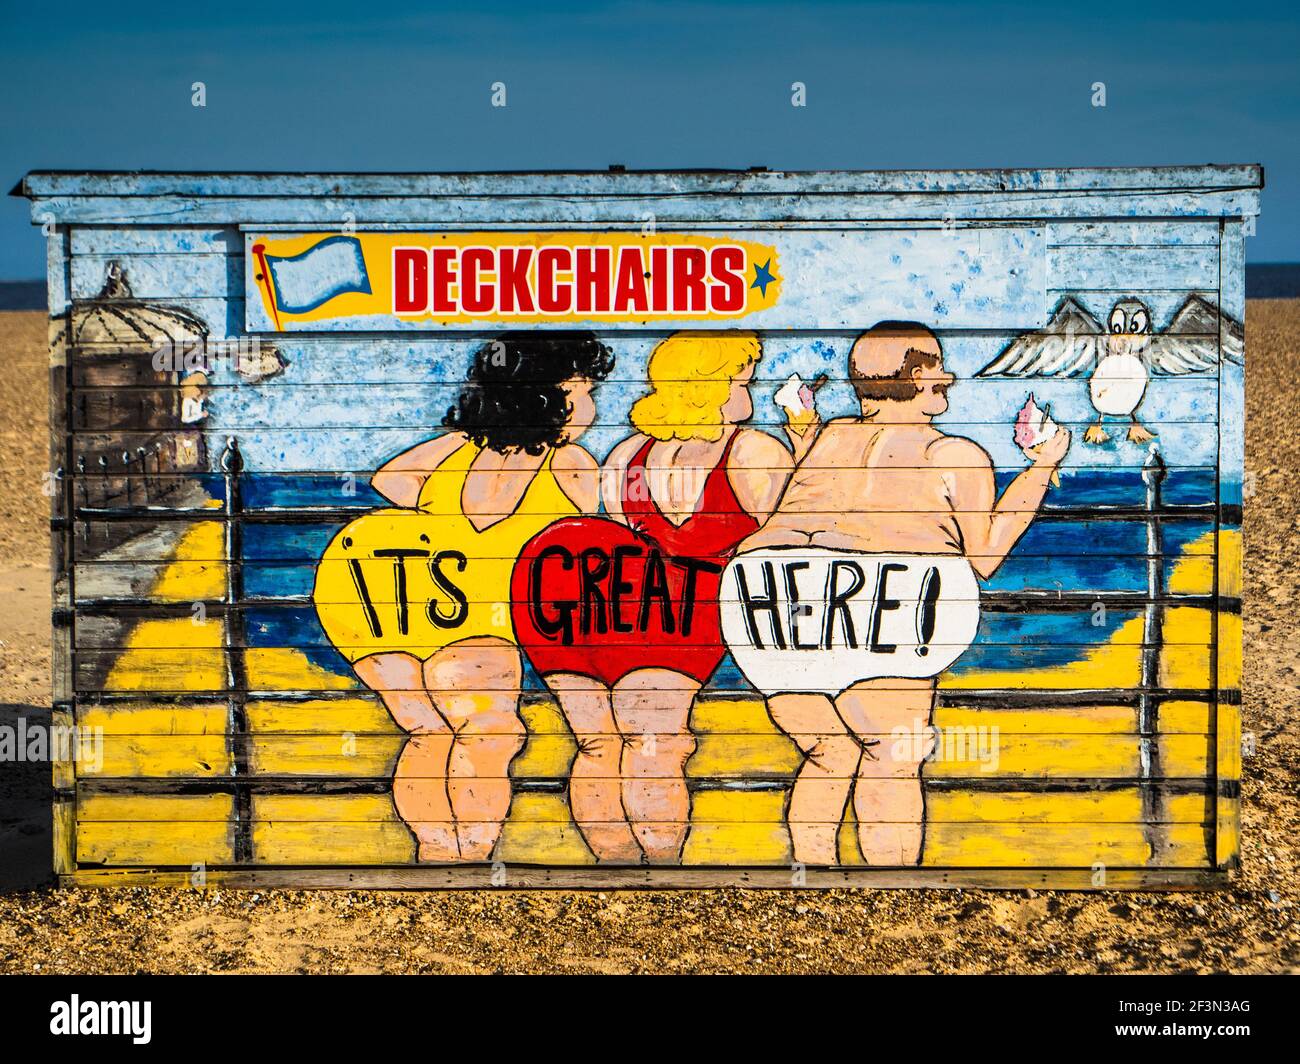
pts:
[418, 580]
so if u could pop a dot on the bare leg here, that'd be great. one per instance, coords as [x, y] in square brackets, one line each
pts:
[475, 683]
[420, 777]
[892, 720]
[652, 708]
[595, 789]
[821, 788]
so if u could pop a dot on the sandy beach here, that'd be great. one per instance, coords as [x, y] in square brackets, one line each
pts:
[1249, 927]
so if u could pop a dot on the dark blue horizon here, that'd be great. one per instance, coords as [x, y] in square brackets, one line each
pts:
[315, 87]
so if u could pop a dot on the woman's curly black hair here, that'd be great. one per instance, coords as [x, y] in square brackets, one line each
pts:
[513, 399]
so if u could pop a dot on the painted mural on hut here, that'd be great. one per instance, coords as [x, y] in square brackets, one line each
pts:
[626, 564]
[835, 565]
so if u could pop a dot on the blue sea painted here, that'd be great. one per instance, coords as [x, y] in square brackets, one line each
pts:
[1094, 555]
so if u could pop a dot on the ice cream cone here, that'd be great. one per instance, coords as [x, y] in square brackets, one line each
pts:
[798, 402]
[800, 420]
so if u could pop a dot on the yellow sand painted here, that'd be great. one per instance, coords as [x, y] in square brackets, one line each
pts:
[1194, 573]
[363, 715]
[550, 748]
[145, 718]
[1081, 845]
[185, 653]
[1227, 845]
[126, 808]
[179, 653]
[325, 755]
[541, 831]
[745, 827]
[180, 830]
[1229, 753]
[1099, 807]
[354, 737]
[364, 829]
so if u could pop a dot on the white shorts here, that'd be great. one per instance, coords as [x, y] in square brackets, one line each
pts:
[811, 619]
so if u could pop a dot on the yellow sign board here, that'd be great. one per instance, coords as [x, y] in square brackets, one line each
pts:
[457, 279]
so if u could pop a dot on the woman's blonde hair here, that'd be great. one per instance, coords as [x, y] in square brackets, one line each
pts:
[690, 376]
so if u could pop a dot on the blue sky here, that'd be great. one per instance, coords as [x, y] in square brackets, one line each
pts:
[333, 86]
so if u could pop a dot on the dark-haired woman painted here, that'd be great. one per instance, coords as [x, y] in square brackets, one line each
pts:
[417, 597]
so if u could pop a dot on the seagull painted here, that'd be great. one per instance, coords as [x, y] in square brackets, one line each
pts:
[1121, 357]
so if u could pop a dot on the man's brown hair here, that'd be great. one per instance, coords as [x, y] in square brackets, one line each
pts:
[897, 385]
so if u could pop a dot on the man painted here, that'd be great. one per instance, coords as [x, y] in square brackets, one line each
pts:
[887, 505]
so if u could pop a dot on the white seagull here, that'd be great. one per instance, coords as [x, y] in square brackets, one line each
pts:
[1121, 357]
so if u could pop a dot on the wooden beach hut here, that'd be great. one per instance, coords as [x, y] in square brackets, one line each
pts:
[1070, 655]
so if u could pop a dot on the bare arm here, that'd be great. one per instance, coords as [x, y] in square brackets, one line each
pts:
[613, 475]
[400, 479]
[759, 468]
[578, 475]
[989, 528]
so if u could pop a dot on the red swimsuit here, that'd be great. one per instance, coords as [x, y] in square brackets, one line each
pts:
[598, 598]
[711, 532]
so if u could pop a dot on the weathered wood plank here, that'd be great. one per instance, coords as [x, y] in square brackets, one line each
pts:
[363, 714]
[723, 183]
[714, 807]
[751, 843]
[1229, 561]
[1148, 233]
[147, 240]
[153, 843]
[65, 830]
[481, 877]
[174, 756]
[414, 409]
[671, 210]
[439, 362]
[999, 633]
[292, 576]
[223, 316]
[62, 558]
[717, 757]
[164, 276]
[1041, 845]
[272, 669]
[289, 550]
[289, 452]
[1132, 268]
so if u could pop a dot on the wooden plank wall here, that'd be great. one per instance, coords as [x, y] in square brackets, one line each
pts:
[299, 773]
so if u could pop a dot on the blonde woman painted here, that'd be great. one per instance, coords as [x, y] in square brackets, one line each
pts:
[691, 482]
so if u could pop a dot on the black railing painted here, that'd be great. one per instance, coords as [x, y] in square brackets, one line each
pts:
[1146, 698]
[236, 642]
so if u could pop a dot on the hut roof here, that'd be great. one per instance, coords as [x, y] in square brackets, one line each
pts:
[116, 320]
